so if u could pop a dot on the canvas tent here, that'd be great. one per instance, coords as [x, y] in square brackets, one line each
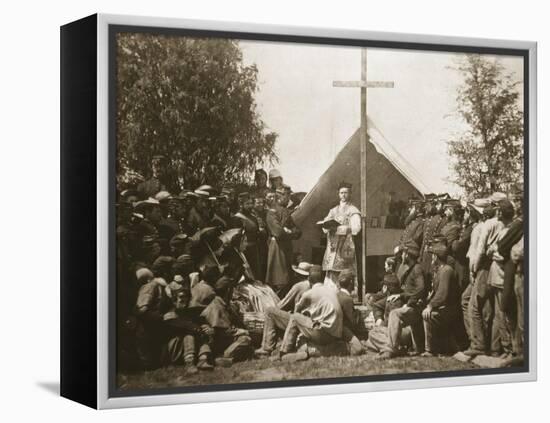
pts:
[387, 171]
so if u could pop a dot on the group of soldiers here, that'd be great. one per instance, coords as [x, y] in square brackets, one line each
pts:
[180, 258]
[456, 281]
[190, 265]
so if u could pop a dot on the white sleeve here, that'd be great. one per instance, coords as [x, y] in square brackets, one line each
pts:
[355, 223]
[328, 217]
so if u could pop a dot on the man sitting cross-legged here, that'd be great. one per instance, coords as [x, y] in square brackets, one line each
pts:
[348, 343]
[276, 318]
[189, 336]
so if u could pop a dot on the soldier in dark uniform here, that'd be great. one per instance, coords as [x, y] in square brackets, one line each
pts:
[153, 185]
[151, 305]
[282, 231]
[188, 335]
[450, 229]
[199, 215]
[389, 341]
[414, 225]
[229, 192]
[167, 227]
[176, 221]
[149, 251]
[260, 215]
[151, 216]
[442, 310]
[432, 227]
[222, 214]
[250, 240]
[260, 183]
[180, 244]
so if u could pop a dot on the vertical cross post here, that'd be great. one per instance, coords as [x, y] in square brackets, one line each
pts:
[363, 84]
[364, 138]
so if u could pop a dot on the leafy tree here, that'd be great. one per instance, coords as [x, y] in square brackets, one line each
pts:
[191, 100]
[488, 156]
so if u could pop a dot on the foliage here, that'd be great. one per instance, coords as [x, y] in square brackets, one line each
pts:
[488, 156]
[191, 100]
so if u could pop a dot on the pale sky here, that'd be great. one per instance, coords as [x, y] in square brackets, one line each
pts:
[296, 99]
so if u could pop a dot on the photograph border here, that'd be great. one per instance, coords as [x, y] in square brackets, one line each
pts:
[108, 394]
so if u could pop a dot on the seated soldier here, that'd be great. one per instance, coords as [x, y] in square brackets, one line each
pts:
[276, 318]
[151, 305]
[377, 302]
[185, 267]
[229, 340]
[186, 330]
[180, 244]
[293, 296]
[442, 310]
[410, 313]
[318, 317]
[346, 279]
[162, 268]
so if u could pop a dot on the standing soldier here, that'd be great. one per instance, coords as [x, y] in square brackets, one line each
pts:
[432, 227]
[199, 215]
[461, 250]
[250, 239]
[222, 214]
[481, 298]
[151, 215]
[260, 183]
[282, 231]
[450, 229]
[414, 225]
[178, 214]
[260, 215]
[275, 179]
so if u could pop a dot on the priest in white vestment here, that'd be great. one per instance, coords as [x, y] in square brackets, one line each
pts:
[342, 223]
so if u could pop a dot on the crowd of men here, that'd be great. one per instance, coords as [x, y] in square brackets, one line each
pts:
[182, 259]
[455, 282]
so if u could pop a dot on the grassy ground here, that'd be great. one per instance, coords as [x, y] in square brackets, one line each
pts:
[266, 370]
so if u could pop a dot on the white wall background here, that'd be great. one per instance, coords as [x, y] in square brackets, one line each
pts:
[29, 97]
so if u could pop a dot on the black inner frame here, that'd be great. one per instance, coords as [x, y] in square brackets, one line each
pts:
[113, 390]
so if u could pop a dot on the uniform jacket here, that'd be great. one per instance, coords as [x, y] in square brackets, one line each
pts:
[279, 255]
[346, 303]
[414, 287]
[445, 292]
[414, 231]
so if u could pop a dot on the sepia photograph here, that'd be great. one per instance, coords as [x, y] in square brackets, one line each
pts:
[312, 211]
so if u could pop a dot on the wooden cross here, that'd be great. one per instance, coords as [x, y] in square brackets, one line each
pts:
[363, 84]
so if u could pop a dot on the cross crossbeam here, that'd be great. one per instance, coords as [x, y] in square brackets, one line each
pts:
[363, 84]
